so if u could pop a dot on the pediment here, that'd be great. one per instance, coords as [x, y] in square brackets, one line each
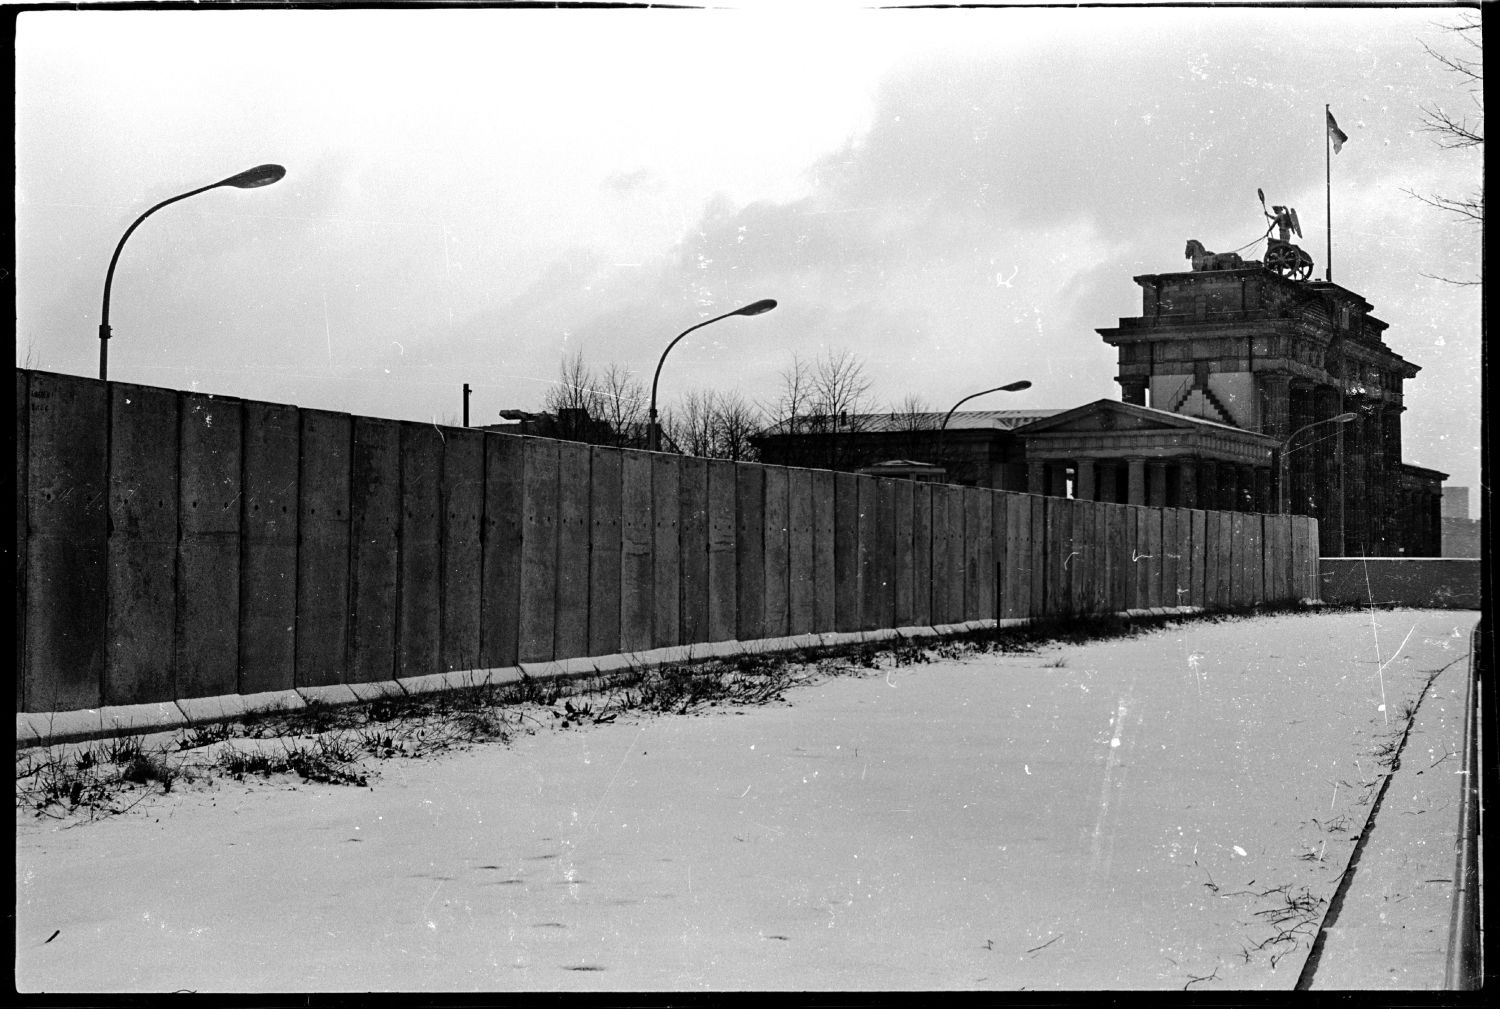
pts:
[1107, 416]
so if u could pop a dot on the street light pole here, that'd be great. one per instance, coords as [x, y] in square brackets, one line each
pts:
[252, 178]
[1284, 451]
[1012, 387]
[653, 437]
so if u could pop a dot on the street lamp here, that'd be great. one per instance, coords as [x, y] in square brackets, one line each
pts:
[653, 438]
[251, 178]
[1012, 387]
[1284, 451]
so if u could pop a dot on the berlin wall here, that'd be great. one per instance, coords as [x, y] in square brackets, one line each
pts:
[174, 545]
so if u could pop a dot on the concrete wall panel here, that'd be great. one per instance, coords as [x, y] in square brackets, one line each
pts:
[1081, 556]
[1278, 556]
[723, 570]
[142, 545]
[1197, 520]
[801, 558]
[825, 593]
[1239, 560]
[1255, 567]
[1224, 546]
[462, 503]
[637, 553]
[1015, 593]
[979, 555]
[1171, 559]
[692, 517]
[777, 518]
[268, 561]
[374, 538]
[884, 555]
[938, 590]
[750, 551]
[1056, 577]
[1037, 506]
[604, 552]
[1421, 582]
[66, 559]
[539, 504]
[867, 535]
[1155, 551]
[323, 548]
[904, 568]
[570, 634]
[419, 582]
[1103, 600]
[666, 490]
[921, 554]
[206, 628]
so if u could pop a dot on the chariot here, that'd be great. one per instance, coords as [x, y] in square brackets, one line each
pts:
[1288, 260]
[1281, 255]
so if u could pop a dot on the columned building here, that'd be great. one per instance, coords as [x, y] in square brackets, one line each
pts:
[1128, 454]
[1304, 364]
[1242, 389]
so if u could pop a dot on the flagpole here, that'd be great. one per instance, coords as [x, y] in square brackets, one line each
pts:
[1328, 190]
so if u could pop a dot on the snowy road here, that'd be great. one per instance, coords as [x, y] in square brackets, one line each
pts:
[1137, 813]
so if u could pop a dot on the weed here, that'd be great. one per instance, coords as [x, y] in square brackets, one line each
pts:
[204, 735]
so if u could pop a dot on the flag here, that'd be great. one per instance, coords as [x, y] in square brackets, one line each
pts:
[1335, 134]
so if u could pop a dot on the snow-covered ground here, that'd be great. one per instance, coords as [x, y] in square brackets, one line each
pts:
[1135, 813]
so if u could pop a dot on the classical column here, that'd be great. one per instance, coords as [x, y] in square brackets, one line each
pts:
[1379, 478]
[1083, 481]
[1356, 477]
[1156, 483]
[1278, 417]
[1300, 464]
[1187, 484]
[1328, 488]
[1036, 476]
[1136, 481]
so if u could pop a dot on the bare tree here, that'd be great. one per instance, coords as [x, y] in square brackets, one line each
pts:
[598, 408]
[840, 386]
[826, 400]
[913, 413]
[1459, 130]
[793, 404]
[690, 425]
[735, 420]
[713, 425]
[623, 405]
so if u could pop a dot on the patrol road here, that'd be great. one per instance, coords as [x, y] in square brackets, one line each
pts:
[1167, 811]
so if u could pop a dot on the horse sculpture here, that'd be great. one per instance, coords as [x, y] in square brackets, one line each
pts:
[1205, 260]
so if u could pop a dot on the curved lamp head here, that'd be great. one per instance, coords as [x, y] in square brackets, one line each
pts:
[1345, 418]
[1016, 386]
[759, 307]
[254, 178]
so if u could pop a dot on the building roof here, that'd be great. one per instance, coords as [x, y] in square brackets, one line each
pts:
[882, 423]
[1165, 418]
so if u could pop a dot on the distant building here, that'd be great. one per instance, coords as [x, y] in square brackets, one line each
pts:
[1460, 533]
[978, 449]
[1229, 378]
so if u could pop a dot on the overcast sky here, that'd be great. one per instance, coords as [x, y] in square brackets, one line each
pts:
[960, 197]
